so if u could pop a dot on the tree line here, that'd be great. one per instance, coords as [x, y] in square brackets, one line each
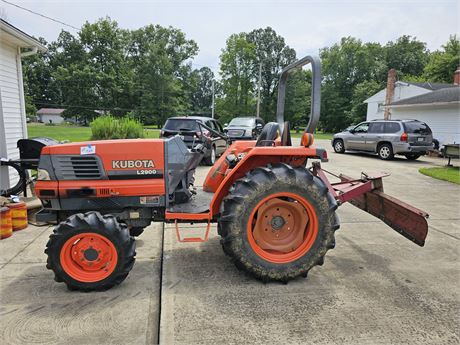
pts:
[149, 74]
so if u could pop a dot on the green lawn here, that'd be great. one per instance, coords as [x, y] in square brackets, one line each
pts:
[451, 174]
[71, 133]
[76, 133]
[327, 136]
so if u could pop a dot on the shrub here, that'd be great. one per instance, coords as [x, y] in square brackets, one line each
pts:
[109, 127]
[131, 128]
[105, 127]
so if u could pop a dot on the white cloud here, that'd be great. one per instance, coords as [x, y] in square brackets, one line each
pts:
[306, 25]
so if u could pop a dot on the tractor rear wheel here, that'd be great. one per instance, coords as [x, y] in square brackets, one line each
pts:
[278, 222]
[90, 252]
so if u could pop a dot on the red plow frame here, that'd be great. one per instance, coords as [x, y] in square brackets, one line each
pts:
[367, 194]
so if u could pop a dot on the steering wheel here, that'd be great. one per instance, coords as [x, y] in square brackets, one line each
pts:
[286, 136]
[269, 134]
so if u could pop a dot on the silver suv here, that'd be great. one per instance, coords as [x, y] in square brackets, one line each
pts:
[411, 138]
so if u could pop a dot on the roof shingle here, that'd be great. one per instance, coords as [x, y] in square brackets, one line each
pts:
[444, 95]
[51, 111]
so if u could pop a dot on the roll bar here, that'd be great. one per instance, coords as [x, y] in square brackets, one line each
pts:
[315, 91]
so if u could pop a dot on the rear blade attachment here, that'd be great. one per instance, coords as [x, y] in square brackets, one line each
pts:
[367, 194]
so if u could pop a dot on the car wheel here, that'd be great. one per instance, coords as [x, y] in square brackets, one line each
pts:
[339, 146]
[211, 159]
[413, 156]
[385, 152]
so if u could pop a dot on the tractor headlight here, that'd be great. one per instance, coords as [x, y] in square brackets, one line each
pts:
[43, 175]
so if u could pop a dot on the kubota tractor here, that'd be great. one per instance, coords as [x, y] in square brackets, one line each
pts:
[276, 216]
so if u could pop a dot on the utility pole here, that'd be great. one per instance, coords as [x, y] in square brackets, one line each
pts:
[212, 105]
[258, 89]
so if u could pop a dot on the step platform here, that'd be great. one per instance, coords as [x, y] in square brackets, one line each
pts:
[198, 205]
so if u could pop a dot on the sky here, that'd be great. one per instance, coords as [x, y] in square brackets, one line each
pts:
[306, 25]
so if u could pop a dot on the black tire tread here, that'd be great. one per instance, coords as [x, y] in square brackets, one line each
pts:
[136, 231]
[19, 187]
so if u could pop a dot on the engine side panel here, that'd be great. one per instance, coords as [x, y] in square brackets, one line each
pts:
[103, 169]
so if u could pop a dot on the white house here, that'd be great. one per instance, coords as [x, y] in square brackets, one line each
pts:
[438, 105]
[14, 44]
[50, 115]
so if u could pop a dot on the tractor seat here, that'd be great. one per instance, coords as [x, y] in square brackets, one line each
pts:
[271, 131]
[268, 135]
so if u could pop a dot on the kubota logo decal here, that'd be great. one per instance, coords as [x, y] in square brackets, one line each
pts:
[133, 164]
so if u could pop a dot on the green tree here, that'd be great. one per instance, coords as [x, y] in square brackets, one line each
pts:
[407, 55]
[236, 69]
[157, 58]
[274, 54]
[345, 65]
[442, 64]
[39, 85]
[298, 99]
[361, 92]
[201, 90]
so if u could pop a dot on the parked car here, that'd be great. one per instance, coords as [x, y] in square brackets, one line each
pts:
[244, 128]
[192, 134]
[410, 138]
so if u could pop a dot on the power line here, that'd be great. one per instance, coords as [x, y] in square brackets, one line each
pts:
[81, 106]
[41, 15]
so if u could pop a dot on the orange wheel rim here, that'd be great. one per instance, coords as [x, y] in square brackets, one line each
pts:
[88, 257]
[282, 227]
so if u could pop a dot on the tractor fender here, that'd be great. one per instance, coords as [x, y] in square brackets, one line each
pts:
[261, 157]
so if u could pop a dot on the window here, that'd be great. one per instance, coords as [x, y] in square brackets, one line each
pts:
[392, 127]
[181, 125]
[417, 127]
[362, 128]
[218, 127]
[242, 122]
[376, 127]
[210, 124]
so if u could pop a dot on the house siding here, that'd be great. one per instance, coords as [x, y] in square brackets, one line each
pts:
[374, 112]
[444, 121]
[12, 112]
[45, 118]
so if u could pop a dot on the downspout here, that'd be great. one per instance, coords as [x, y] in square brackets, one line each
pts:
[22, 100]
[33, 51]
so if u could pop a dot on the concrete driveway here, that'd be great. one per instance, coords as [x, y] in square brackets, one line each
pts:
[375, 287]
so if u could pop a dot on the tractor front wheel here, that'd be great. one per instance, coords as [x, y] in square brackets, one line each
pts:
[278, 222]
[90, 252]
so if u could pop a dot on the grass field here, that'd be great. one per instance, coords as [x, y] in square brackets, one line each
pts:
[71, 133]
[76, 133]
[451, 174]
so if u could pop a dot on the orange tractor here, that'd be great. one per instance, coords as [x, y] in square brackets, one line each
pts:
[276, 216]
